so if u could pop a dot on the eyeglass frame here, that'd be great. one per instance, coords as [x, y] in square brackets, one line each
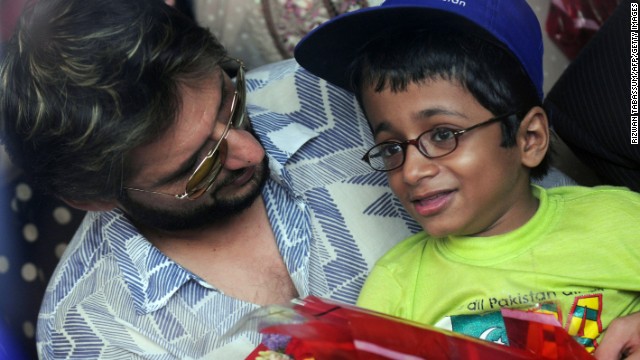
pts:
[415, 142]
[238, 103]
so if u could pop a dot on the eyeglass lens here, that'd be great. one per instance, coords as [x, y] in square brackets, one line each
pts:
[208, 170]
[433, 143]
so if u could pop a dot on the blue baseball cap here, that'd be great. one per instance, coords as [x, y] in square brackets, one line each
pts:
[328, 49]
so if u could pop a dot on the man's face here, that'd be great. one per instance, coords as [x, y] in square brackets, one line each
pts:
[166, 164]
[479, 189]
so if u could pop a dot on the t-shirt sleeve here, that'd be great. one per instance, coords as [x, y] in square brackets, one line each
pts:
[381, 292]
[390, 287]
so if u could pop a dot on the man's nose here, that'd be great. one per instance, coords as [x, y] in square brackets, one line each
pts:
[243, 150]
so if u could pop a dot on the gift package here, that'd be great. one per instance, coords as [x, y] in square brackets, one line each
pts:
[316, 329]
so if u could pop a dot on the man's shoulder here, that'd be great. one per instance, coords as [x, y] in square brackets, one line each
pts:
[271, 71]
[284, 87]
[87, 252]
[92, 240]
[303, 120]
[89, 263]
[77, 287]
[281, 70]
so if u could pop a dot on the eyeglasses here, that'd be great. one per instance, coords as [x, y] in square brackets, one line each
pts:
[209, 168]
[434, 143]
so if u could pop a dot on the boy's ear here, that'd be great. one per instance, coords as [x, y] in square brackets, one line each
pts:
[533, 137]
[91, 205]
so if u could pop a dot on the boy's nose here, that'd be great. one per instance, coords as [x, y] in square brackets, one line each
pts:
[417, 166]
[243, 150]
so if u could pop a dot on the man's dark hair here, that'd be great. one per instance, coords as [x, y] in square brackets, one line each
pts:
[85, 82]
[488, 71]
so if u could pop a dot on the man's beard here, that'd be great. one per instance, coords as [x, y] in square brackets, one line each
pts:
[202, 216]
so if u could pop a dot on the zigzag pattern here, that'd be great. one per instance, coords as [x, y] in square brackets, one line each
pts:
[116, 296]
[347, 264]
[389, 206]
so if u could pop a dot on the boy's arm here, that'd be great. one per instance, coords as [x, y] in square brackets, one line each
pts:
[622, 339]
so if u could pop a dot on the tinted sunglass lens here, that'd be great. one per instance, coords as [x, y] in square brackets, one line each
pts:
[202, 172]
[207, 173]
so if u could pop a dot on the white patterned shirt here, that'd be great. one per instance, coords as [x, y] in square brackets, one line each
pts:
[115, 296]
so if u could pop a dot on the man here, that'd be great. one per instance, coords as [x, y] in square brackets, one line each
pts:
[125, 109]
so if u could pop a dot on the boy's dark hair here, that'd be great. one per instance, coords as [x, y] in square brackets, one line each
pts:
[488, 71]
[85, 82]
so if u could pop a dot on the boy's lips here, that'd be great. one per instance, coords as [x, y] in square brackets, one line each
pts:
[432, 202]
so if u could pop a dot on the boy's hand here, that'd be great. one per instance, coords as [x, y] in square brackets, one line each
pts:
[622, 339]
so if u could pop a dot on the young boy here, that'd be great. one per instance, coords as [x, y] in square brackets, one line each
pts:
[452, 91]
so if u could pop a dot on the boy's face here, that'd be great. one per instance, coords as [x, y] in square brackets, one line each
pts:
[479, 189]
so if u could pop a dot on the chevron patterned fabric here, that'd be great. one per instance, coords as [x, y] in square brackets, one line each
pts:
[114, 295]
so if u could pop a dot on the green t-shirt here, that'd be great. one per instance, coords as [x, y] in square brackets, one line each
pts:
[580, 251]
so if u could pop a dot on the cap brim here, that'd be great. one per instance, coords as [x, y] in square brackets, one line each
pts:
[328, 50]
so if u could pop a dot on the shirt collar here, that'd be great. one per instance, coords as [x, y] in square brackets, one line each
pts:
[283, 123]
[152, 278]
[283, 138]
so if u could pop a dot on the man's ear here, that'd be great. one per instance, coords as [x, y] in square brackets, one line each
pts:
[533, 137]
[91, 205]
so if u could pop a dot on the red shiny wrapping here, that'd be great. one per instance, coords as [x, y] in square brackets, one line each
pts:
[336, 331]
[541, 334]
[571, 23]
